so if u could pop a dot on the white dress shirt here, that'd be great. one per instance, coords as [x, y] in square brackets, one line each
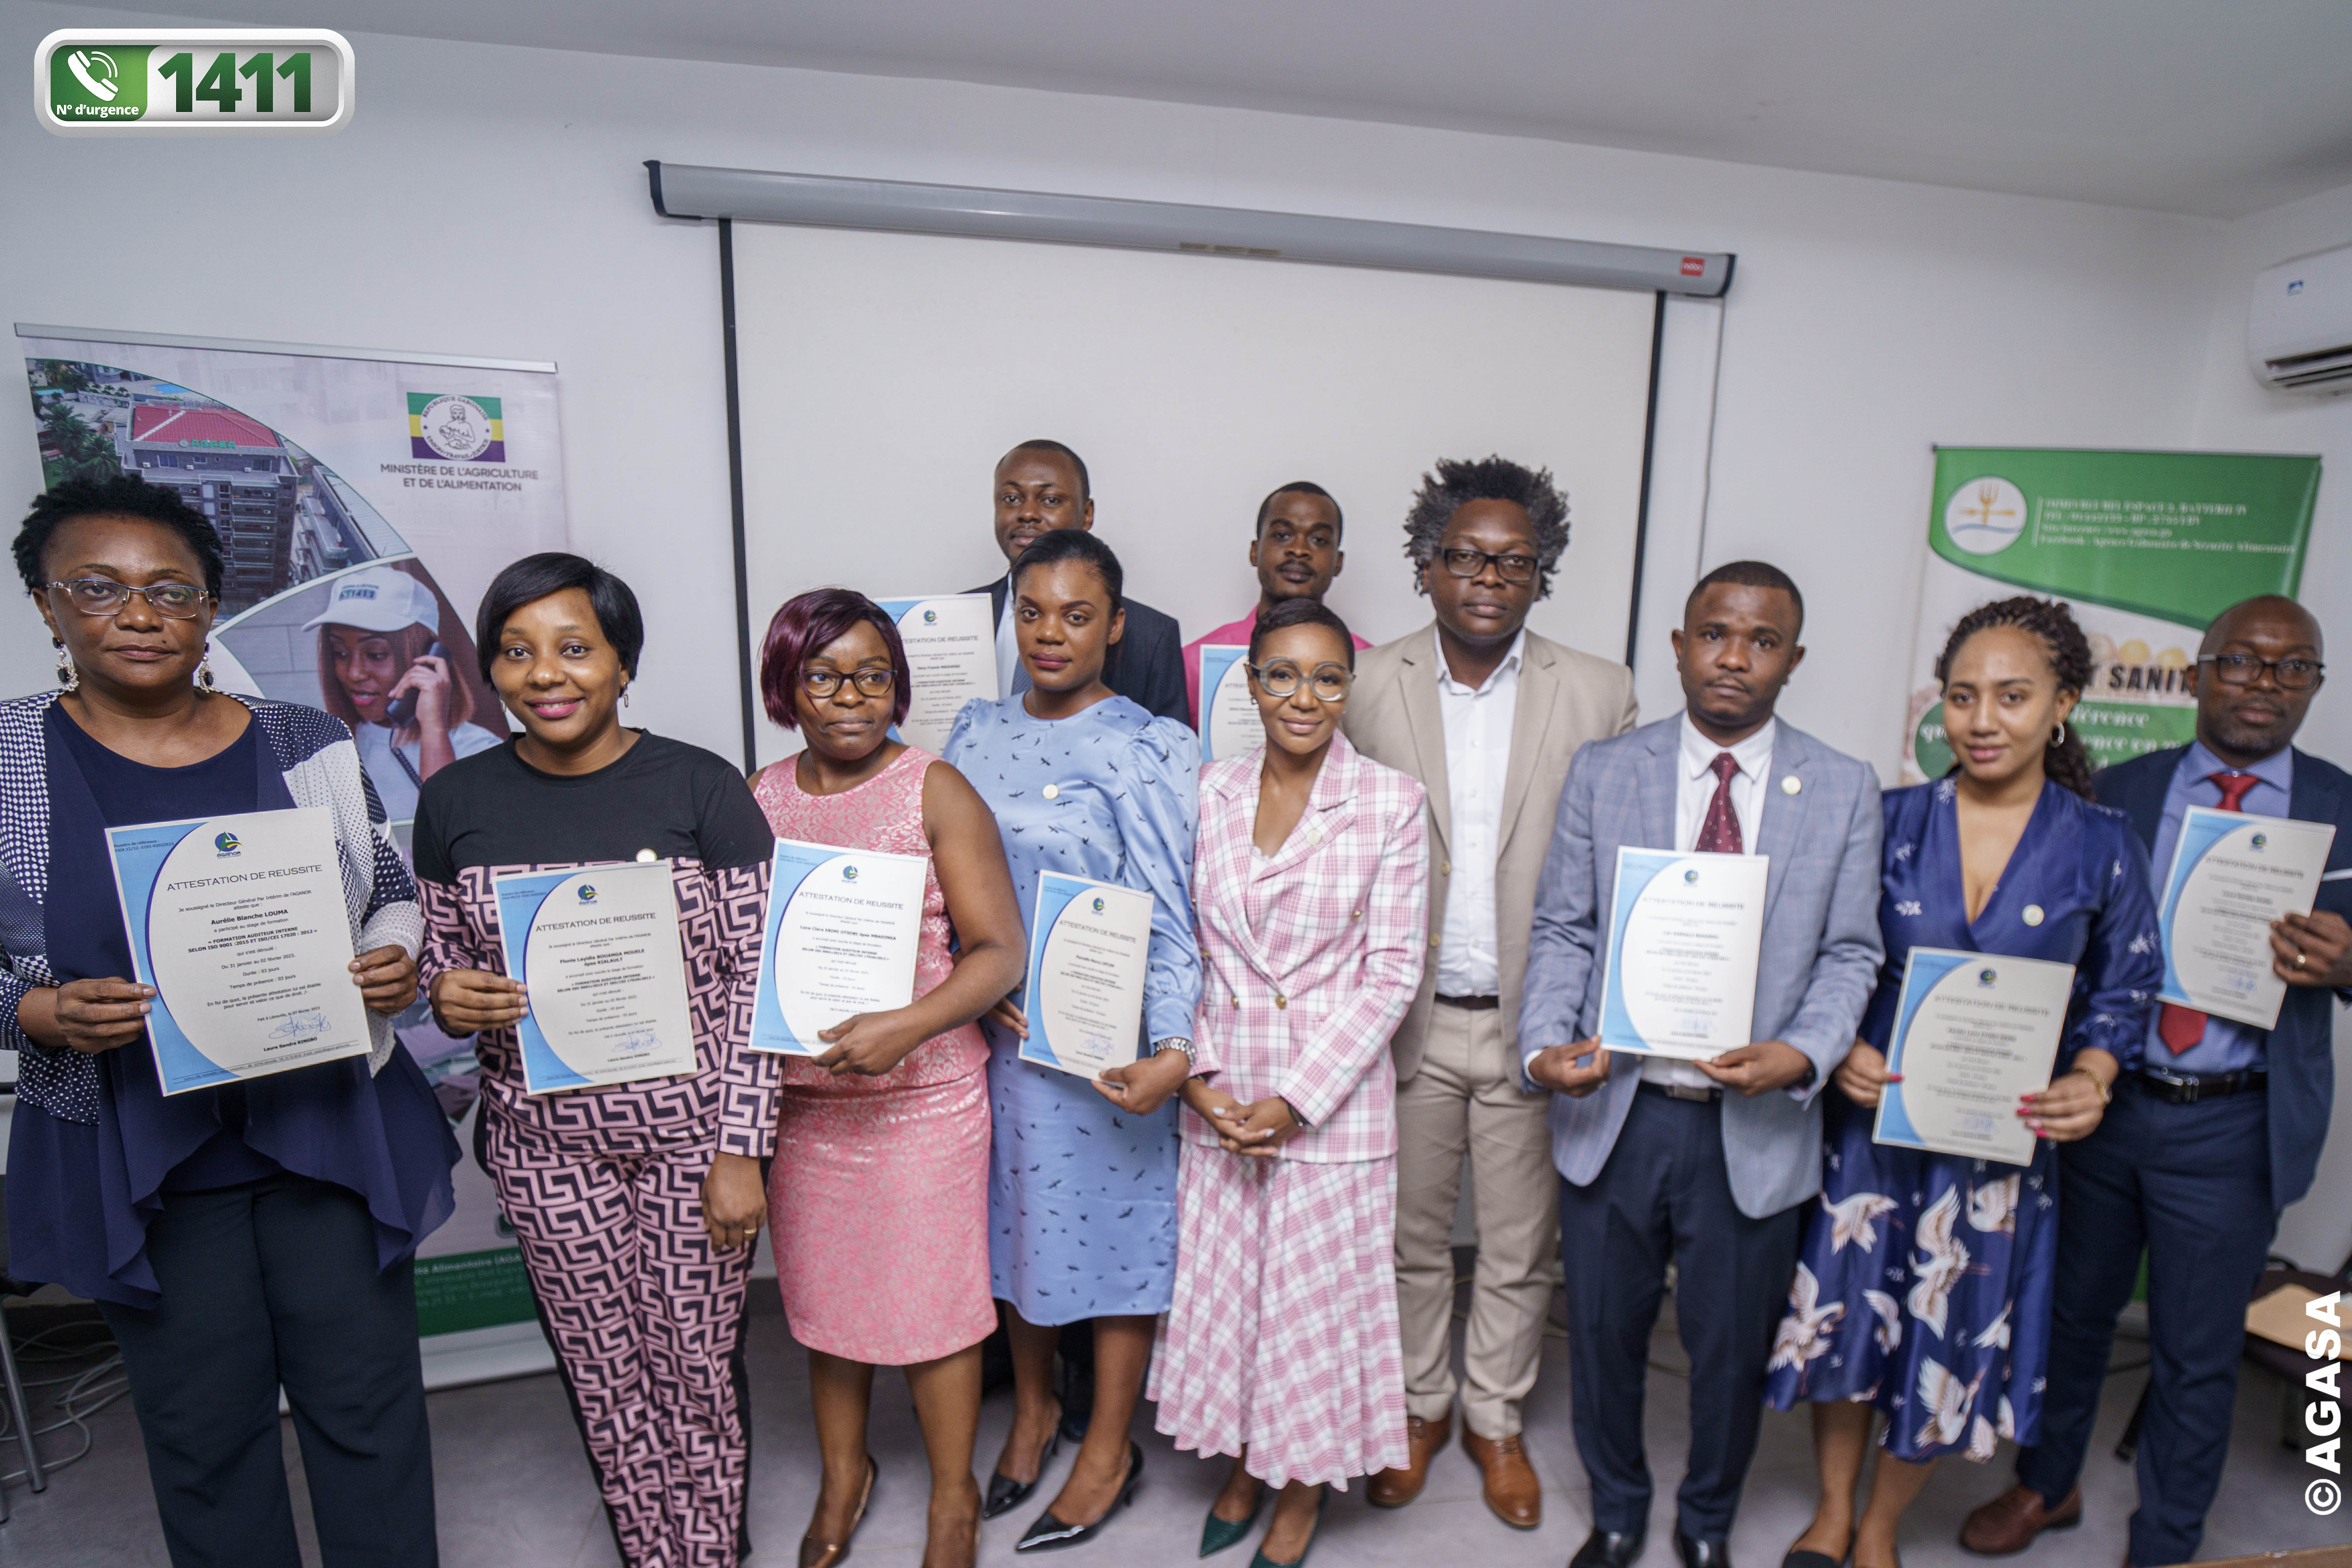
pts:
[1695, 787]
[1008, 650]
[1477, 757]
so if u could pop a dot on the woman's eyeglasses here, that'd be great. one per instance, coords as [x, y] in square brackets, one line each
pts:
[105, 597]
[1330, 682]
[826, 682]
[2244, 669]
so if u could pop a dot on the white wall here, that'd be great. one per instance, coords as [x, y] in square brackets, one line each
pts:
[490, 201]
[2235, 413]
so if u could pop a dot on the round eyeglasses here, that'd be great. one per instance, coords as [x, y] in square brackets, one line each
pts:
[105, 597]
[868, 682]
[2244, 669]
[1330, 682]
[1465, 562]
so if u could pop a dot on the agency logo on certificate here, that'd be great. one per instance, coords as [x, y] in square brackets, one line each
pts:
[1973, 1032]
[1230, 726]
[950, 643]
[843, 929]
[2232, 874]
[239, 924]
[1087, 946]
[1684, 933]
[599, 954]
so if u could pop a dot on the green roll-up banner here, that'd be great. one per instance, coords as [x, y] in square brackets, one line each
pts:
[2147, 547]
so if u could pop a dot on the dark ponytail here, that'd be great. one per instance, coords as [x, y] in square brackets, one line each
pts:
[2063, 760]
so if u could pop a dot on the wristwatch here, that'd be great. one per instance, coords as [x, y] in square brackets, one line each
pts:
[1173, 1043]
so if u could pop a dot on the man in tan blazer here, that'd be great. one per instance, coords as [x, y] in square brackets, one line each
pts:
[1485, 714]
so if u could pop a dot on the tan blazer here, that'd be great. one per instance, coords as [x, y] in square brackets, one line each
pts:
[1566, 699]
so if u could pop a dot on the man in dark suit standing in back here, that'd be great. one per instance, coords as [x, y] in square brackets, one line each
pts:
[1042, 486]
[2215, 1132]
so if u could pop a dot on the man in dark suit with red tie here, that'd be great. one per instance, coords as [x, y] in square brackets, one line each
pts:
[2212, 1133]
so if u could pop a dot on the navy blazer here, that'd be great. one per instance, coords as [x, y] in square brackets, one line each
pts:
[1146, 665]
[2301, 1049]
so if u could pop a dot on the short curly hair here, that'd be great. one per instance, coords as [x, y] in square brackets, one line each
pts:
[125, 495]
[1458, 481]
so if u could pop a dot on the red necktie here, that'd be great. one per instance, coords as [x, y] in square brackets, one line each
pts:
[1719, 833]
[2182, 1028]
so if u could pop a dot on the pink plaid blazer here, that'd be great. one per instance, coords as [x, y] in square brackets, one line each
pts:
[1303, 1005]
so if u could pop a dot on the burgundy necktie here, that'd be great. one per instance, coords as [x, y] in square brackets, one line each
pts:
[2182, 1028]
[1719, 833]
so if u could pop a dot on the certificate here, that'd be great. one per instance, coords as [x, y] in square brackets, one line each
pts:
[1684, 933]
[1087, 946]
[951, 645]
[842, 929]
[239, 924]
[1973, 1032]
[600, 954]
[1230, 725]
[2232, 874]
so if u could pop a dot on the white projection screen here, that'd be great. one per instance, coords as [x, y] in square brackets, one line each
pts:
[882, 376]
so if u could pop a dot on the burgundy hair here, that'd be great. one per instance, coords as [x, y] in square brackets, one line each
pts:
[805, 627]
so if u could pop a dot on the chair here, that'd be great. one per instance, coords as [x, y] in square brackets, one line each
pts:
[19, 1411]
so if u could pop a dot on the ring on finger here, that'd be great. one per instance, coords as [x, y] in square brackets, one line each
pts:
[2300, 958]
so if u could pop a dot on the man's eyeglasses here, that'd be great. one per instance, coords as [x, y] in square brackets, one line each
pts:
[826, 682]
[1330, 682]
[105, 597]
[2244, 669]
[1470, 562]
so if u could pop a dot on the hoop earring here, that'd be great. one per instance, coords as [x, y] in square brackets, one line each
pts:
[2058, 735]
[205, 681]
[69, 673]
[624, 697]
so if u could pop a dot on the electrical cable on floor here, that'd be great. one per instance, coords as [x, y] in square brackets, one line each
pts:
[84, 1393]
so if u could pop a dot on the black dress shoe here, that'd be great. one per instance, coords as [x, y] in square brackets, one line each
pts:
[1006, 1494]
[1702, 1553]
[1050, 1535]
[1609, 1549]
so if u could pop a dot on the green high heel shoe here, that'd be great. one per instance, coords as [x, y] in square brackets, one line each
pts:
[1219, 1533]
[1263, 1560]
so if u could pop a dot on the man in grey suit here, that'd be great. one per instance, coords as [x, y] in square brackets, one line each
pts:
[1705, 1164]
[1485, 714]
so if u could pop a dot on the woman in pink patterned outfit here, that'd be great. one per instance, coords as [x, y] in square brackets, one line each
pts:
[635, 1204]
[1310, 885]
[878, 1194]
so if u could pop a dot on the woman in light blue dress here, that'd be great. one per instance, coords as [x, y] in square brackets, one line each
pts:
[1082, 1187]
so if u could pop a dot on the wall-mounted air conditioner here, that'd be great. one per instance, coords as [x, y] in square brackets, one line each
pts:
[2299, 331]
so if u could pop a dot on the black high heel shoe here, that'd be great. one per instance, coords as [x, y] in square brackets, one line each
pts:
[1049, 1534]
[1006, 1494]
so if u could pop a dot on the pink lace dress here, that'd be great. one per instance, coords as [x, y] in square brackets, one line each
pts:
[878, 1200]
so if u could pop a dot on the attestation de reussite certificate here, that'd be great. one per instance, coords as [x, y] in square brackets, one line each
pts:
[1973, 1033]
[843, 929]
[2232, 874]
[1088, 947]
[1683, 935]
[598, 952]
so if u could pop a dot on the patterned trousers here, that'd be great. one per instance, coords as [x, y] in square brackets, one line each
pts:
[646, 1318]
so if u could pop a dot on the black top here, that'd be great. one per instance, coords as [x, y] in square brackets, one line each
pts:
[1145, 665]
[679, 801]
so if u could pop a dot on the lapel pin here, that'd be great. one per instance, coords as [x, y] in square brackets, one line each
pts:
[2033, 914]
[1790, 784]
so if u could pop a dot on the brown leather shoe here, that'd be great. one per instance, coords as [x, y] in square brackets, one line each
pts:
[1512, 1489]
[1394, 1488]
[2008, 1525]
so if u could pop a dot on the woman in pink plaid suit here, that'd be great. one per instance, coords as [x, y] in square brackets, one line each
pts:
[1310, 889]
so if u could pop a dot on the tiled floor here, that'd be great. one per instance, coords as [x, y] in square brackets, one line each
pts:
[514, 1491]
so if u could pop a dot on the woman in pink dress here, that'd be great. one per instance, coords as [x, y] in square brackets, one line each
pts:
[878, 1195]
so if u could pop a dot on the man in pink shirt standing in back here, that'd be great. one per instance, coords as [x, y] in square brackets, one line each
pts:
[1296, 554]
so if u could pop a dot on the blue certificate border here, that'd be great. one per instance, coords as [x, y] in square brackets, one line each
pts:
[1922, 972]
[139, 854]
[519, 899]
[1057, 890]
[1636, 870]
[2202, 829]
[792, 865]
[1215, 659]
[898, 610]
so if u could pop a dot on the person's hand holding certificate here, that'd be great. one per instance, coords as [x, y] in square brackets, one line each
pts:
[239, 924]
[1974, 1035]
[2232, 875]
[1088, 942]
[1683, 935]
[843, 928]
[598, 953]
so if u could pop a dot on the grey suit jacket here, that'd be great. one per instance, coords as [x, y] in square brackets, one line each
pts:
[1566, 699]
[1820, 959]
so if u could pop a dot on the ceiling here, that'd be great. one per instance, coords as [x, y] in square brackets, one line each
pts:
[2212, 107]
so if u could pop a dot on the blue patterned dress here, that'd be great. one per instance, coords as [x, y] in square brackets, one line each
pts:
[1082, 1198]
[1923, 1286]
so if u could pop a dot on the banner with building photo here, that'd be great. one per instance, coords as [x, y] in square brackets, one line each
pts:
[364, 503]
[2146, 547]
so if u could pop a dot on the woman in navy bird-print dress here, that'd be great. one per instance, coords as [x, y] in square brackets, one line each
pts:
[1923, 1286]
[1082, 1185]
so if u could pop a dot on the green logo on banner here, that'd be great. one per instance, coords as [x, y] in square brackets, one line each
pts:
[94, 83]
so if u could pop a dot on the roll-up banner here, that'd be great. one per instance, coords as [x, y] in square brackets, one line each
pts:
[364, 500]
[2146, 547]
